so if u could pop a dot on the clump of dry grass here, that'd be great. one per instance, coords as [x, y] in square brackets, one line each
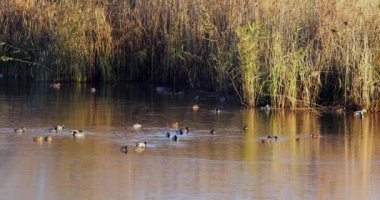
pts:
[296, 53]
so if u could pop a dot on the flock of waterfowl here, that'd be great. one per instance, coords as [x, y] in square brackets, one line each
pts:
[49, 138]
[179, 131]
[141, 146]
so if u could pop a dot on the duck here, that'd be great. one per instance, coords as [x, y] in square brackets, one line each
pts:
[195, 107]
[137, 126]
[245, 127]
[212, 131]
[340, 109]
[162, 90]
[20, 130]
[55, 85]
[314, 136]
[48, 138]
[175, 138]
[187, 129]
[217, 110]
[267, 107]
[269, 139]
[53, 130]
[59, 127]
[93, 90]
[124, 149]
[360, 113]
[56, 129]
[266, 140]
[196, 98]
[38, 139]
[167, 135]
[141, 145]
[77, 133]
[180, 132]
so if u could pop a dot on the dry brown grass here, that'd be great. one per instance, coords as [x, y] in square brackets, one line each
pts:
[307, 53]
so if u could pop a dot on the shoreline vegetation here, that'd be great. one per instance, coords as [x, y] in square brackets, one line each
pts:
[289, 54]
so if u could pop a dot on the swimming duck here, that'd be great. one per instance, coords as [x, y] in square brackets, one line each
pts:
[167, 135]
[93, 90]
[187, 129]
[48, 138]
[360, 113]
[124, 149]
[267, 107]
[340, 109]
[266, 140]
[212, 131]
[245, 128]
[269, 139]
[195, 107]
[196, 98]
[175, 138]
[53, 130]
[55, 85]
[162, 90]
[77, 133]
[38, 139]
[180, 131]
[141, 145]
[137, 126]
[217, 110]
[56, 129]
[314, 136]
[20, 130]
[59, 127]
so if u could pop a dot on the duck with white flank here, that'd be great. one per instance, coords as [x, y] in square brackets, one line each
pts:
[137, 126]
[38, 139]
[48, 138]
[56, 129]
[141, 145]
[269, 139]
[20, 130]
[360, 113]
[77, 133]
[124, 149]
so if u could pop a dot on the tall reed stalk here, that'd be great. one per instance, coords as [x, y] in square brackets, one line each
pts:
[294, 53]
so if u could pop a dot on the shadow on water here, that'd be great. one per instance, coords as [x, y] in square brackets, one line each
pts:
[230, 164]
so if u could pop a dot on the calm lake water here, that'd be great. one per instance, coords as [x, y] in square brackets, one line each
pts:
[231, 164]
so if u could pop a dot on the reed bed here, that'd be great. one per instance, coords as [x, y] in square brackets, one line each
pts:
[292, 53]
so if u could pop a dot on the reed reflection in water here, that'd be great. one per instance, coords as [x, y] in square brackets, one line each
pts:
[232, 164]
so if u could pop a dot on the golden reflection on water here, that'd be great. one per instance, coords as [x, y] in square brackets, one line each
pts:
[232, 164]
